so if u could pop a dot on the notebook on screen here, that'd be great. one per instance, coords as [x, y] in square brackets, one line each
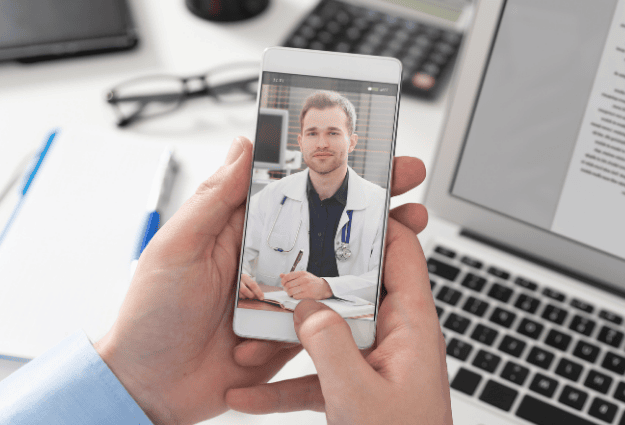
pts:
[526, 252]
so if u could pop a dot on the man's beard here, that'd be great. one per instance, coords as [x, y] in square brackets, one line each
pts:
[324, 168]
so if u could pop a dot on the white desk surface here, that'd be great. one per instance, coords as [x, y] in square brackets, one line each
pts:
[37, 98]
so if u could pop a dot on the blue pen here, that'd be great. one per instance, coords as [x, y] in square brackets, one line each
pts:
[159, 196]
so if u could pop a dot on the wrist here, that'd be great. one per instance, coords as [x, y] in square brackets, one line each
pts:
[327, 290]
[139, 389]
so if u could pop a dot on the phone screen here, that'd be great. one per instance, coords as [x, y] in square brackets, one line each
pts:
[318, 201]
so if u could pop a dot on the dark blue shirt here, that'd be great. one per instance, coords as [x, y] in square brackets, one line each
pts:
[324, 221]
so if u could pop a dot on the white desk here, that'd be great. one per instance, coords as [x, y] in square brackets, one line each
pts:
[37, 98]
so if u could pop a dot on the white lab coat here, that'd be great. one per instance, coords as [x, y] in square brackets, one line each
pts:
[357, 276]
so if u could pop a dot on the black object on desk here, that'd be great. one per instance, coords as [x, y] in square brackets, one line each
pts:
[226, 10]
[34, 30]
[427, 53]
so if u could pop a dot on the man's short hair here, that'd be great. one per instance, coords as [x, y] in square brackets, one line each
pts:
[329, 99]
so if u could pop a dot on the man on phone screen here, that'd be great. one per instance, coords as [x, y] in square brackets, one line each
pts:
[330, 213]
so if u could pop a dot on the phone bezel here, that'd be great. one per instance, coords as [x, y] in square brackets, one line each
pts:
[278, 326]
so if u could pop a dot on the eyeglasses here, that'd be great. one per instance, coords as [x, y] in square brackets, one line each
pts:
[151, 96]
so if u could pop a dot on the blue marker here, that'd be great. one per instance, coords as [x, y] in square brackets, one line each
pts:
[159, 196]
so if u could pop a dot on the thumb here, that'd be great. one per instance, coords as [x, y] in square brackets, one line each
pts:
[342, 370]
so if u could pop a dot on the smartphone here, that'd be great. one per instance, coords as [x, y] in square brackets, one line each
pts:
[319, 196]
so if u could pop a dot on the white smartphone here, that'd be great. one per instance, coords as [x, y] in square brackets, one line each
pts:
[319, 197]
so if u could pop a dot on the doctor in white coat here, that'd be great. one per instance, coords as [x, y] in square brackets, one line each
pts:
[279, 218]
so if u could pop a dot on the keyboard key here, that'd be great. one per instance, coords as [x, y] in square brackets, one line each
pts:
[541, 413]
[525, 283]
[473, 282]
[554, 314]
[457, 323]
[610, 336]
[486, 361]
[543, 385]
[557, 339]
[445, 251]
[443, 270]
[569, 369]
[582, 305]
[611, 317]
[603, 410]
[500, 292]
[619, 394]
[598, 381]
[552, 293]
[501, 274]
[512, 346]
[475, 306]
[432, 284]
[449, 295]
[614, 362]
[539, 357]
[439, 311]
[527, 303]
[582, 325]
[484, 334]
[530, 328]
[498, 395]
[586, 351]
[502, 317]
[472, 262]
[459, 349]
[573, 397]
[466, 381]
[514, 373]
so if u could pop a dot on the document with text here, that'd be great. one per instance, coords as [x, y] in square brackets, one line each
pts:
[591, 208]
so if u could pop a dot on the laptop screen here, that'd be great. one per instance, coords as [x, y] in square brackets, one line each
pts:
[546, 144]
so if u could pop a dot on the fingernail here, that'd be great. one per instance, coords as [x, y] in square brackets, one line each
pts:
[304, 309]
[236, 149]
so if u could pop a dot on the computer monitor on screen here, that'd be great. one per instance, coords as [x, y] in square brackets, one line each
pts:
[271, 138]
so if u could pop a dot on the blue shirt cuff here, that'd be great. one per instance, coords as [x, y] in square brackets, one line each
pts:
[69, 384]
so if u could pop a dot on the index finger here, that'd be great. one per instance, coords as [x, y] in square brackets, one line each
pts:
[293, 275]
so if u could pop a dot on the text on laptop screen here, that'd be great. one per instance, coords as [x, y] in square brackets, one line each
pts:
[546, 144]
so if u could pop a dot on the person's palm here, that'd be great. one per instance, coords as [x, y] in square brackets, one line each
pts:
[175, 326]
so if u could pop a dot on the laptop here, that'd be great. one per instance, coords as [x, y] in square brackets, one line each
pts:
[526, 241]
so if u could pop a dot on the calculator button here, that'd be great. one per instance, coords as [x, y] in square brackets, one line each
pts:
[569, 369]
[473, 282]
[515, 373]
[530, 328]
[554, 314]
[543, 385]
[512, 346]
[459, 349]
[539, 357]
[573, 397]
[502, 317]
[498, 395]
[475, 306]
[486, 361]
[466, 381]
[557, 339]
[484, 334]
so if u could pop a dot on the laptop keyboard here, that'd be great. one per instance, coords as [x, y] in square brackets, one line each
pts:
[427, 53]
[526, 348]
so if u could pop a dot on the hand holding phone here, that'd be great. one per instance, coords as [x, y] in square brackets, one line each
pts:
[402, 380]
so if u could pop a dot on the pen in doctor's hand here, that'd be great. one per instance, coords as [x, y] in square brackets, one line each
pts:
[297, 260]
[159, 195]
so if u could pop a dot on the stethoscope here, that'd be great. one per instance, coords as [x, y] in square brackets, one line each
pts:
[343, 252]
